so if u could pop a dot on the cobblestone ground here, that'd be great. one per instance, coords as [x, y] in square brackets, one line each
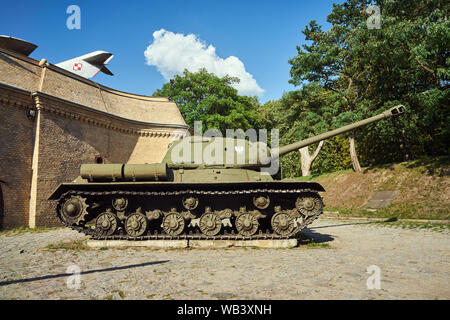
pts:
[414, 264]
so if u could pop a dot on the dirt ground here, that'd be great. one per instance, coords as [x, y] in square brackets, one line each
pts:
[424, 189]
[411, 264]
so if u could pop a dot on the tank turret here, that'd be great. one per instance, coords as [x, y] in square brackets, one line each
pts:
[205, 188]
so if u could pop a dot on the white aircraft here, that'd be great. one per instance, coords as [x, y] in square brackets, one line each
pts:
[86, 66]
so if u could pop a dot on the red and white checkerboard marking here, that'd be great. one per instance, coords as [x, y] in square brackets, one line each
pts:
[77, 66]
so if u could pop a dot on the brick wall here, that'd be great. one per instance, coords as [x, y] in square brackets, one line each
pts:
[64, 146]
[78, 120]
[19, 72]
[16, 145]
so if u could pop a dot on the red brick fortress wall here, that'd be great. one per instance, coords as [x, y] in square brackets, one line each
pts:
[16, 145]
[75, 120]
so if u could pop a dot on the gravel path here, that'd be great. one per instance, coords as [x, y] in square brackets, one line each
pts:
[414, 264]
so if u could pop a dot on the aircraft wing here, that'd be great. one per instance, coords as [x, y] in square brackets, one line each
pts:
[17, 45]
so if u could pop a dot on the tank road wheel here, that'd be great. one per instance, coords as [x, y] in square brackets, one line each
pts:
[309, 204]
[136, 224]
[246, 224]
[210, 223]
[173, 223]
[73, 210]
[282, 223]
[106, 223]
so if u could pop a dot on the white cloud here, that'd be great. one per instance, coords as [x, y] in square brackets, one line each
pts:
[171, 53]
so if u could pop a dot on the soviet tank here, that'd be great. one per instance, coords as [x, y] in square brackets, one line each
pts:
[187, 198]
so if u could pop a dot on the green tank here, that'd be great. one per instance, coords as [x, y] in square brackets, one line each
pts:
[226, 193]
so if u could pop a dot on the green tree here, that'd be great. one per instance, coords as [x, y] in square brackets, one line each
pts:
[302, 114]
[312, 113]
[202, 96]
[329, 60]
[406, 61]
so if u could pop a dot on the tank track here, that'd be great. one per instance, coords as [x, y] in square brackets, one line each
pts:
[260, 235]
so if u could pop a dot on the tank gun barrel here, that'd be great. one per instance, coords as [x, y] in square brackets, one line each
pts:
[395, 111]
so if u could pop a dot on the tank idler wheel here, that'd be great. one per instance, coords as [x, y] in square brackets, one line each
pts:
[73, 211]
[309, 204]
[210, 223]
[282, 223]
[106, 223]
[136, 224]
[246, 224]
[173, 223]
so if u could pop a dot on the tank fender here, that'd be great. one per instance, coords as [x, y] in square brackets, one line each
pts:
[312, 186]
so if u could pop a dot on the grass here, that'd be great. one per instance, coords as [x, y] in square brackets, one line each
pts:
[120, 293]
[76, 245]
[158, 273]
[438, 227]
[322, 175]
[111, 296]
[316, 245]
[422, 186]
[21, 230]
[202, 292]
[394, 223]
[425, 210]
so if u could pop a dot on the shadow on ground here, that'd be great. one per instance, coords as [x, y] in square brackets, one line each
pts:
[354, 223]
[53, 276]
[309, 235]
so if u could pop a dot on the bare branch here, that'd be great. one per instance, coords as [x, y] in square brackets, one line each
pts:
[316, 153]
[436, 79]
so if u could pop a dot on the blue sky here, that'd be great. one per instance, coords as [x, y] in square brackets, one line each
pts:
[262, 34]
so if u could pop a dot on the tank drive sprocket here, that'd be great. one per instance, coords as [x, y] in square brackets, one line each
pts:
[73, 210]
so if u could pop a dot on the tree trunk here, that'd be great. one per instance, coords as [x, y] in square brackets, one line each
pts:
[353, 155]
[307, 159]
